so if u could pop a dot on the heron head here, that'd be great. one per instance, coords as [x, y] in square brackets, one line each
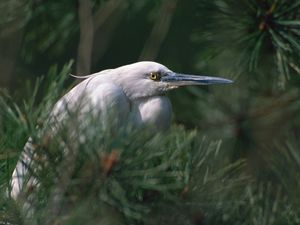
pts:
[144, 79]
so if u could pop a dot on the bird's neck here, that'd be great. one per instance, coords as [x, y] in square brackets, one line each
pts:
[155, 111]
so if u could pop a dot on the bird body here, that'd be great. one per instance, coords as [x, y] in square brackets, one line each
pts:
[132, 98]
[133, 94]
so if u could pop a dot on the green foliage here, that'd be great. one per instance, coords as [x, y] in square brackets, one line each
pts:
[250, 175]
[14, 14]
[127, 177]
[50, 28]
[257, 32]
[73, 175]
[17, 123]
[285, 153]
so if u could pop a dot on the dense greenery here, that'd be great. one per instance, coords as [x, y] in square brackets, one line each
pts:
[232, 155]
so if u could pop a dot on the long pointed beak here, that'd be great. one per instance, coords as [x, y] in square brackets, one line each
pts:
[177, 79]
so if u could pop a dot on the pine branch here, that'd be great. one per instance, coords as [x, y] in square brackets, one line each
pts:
[264, 30]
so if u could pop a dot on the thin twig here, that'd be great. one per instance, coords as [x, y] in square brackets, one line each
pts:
[84, 53]
[106, 20]
[105, 12]
[159, 31]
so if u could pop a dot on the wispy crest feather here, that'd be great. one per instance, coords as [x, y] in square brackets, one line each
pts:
[90, 75]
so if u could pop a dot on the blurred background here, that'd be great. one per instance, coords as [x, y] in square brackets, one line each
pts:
[256, 43]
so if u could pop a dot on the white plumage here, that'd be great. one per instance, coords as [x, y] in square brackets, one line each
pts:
[133, 94]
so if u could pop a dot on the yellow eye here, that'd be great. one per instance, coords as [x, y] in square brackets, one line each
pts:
[155, 76]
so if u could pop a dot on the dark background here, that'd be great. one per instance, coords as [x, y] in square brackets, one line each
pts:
[256, 43]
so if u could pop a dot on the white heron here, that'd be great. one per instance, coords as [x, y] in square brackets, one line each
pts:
[132, 93]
